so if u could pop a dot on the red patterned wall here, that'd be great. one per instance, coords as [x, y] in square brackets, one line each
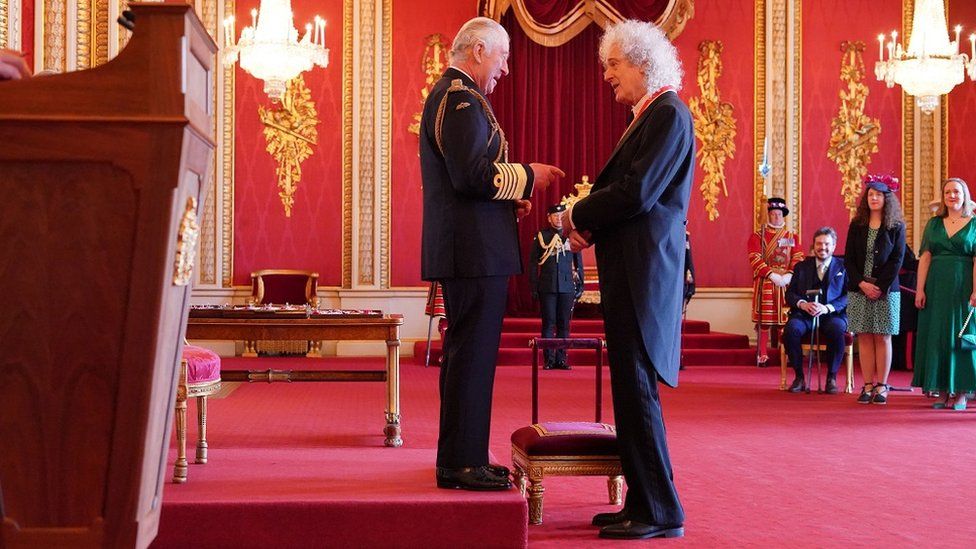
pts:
[827, 23]
[413, 21]
[719, 246]
[27, 31]
[312, 237]
[962, 102]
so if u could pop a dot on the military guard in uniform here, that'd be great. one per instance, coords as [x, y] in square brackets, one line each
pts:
[773, 252]
[556, 278]
[472, 198]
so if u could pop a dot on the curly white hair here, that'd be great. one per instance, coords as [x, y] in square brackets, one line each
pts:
[645, 46]
[481, 29]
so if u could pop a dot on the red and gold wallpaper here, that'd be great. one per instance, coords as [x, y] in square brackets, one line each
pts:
[826, 24]
[413, 21]
[719, 246]
[312, 237]
[962, 102]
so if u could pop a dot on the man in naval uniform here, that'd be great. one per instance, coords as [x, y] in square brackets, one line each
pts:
[472, 197]
[556, 279]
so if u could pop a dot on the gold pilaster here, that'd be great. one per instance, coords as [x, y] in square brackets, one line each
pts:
[759, 115]
[778, 106]
[83, 34]
[207, 271]
[366, 173]
[347, 181]
[385, 143]
[53, 56]
[4, 9]
[225, 146]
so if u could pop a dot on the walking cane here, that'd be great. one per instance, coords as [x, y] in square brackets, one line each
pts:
[814, 344]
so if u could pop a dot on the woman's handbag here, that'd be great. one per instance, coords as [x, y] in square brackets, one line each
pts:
[967, 342]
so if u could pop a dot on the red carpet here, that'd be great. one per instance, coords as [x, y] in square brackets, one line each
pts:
[754, 466]
[700, 346]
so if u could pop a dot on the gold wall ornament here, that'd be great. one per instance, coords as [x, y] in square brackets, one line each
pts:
[186, 244]
[714, 126]
[853, 134]
[433, 63]
[289, 128]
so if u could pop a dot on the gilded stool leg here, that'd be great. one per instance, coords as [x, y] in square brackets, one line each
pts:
[520, 481]
[202, 419]
[179, 469]
[536, 490]
[615, 486]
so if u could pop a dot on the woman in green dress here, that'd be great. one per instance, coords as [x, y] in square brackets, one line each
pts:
[946, 272]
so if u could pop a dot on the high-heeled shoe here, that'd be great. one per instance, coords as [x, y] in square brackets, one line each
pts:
[942, 404]
[960, 403]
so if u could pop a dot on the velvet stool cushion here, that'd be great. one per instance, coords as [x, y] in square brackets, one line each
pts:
[202, 365]
[570, 448]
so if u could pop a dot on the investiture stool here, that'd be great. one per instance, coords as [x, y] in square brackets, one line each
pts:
[556, 278]
[825, 274]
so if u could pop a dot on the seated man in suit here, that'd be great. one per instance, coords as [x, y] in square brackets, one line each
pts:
[825, 273]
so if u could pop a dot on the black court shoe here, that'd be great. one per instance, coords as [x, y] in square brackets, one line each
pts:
[865, 396]
[470, 478]
[606, 519]
[638, 530]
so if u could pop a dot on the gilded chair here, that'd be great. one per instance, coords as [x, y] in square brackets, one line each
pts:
[806, 347]
[281, 287]
[199, 378]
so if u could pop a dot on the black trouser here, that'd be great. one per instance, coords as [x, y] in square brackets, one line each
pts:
[475, 310]
[641, 435]
[557, 311]
[832, 330]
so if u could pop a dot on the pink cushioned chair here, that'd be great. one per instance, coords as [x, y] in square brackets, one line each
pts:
[565, 447]
[200, 378]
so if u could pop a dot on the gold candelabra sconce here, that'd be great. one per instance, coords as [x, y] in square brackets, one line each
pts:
[853, 134]
[433, 64]
[290, 130]
[714, 126]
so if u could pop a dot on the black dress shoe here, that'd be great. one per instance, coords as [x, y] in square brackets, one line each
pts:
[831, 387]
[638, 530]
[548, 366]
[798, 385]
[498, 470]
[470, 478]
[561, 366]
[606, 519]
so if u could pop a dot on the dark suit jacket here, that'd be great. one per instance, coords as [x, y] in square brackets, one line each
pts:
[465, 232]
[555, 276]
[636, 212]
[834, 291]
[889, 249]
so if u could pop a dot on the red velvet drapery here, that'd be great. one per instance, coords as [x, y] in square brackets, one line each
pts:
[554, 108]
[550, 12]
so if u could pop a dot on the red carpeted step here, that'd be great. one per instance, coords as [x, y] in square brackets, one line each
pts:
[534, 325]
[714, 340]
[331, 496]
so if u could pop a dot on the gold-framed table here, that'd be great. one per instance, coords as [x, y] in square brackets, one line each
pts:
[337, 327]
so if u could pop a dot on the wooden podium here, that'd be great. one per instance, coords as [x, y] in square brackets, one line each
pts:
[102, 176]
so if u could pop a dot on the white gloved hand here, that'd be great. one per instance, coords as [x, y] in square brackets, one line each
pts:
[787, 278]
[776, 279]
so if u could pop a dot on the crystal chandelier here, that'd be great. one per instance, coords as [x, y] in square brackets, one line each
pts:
[932, 65]
[269, 49]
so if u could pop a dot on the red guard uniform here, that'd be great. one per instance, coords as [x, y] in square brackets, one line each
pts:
[771, 250]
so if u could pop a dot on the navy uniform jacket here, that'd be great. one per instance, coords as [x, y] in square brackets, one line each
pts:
[833, 288]
[555, 276]
[636, 213]
[469, 227]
